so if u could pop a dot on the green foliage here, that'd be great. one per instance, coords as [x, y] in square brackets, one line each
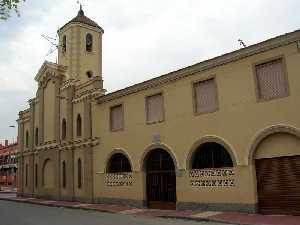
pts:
[7, 6]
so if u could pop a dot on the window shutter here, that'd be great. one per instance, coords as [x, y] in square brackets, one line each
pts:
[117, 117]
[271, 80]
[206, 98]
[155, 111]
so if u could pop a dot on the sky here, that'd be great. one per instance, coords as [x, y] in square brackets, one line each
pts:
[143, 39]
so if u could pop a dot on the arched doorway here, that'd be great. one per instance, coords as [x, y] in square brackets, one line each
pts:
[277, 163]
[160, 180]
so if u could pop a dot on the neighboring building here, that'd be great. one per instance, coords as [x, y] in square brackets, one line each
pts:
[8, 164]
[223, 134]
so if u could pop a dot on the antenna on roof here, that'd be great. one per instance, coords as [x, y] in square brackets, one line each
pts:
[242, 43]
[53, 43]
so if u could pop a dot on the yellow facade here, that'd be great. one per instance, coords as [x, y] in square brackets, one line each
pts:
[247, 127]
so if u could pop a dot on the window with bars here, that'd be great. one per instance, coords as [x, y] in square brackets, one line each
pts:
[154, 108]
[271, 80]
[116, 118]
[205, 96]
[119, 163]
[211, 155]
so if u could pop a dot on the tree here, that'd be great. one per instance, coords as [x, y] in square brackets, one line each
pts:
[7, 6]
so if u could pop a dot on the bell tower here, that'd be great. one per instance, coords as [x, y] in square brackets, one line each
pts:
[80, 48]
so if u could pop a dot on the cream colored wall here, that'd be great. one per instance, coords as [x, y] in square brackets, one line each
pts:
[48, 174]
[135, 192]
[63, 110]
[79, 192]
[51, 187]
[90, 60]
[277, 145]
[238, 121]
[26, 128]
[78, 60]
[36, 116]
[49, 102]
[66, 58]
[243, 191]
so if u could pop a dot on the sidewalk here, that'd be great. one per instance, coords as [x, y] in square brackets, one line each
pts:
[226, 217]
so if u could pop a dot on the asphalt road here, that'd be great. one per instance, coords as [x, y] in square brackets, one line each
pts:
[12, 213]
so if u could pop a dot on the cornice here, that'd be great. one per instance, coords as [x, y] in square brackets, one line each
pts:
[261, 47]
[69, 145]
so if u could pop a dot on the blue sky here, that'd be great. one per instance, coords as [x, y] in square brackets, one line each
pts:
[142, 39]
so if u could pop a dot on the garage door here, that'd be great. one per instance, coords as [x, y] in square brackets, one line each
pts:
[278, 185]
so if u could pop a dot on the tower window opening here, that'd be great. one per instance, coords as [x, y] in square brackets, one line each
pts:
[89, 74]
[89, 42]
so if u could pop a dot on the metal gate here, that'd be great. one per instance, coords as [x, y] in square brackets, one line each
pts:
[278, 185]
[161, 180]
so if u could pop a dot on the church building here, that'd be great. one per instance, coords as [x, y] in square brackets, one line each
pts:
[222, 134]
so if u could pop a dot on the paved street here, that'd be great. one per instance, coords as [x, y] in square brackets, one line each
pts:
[12, 213]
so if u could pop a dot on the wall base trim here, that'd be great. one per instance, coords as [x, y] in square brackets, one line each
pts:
[233, 207]
[119, 201]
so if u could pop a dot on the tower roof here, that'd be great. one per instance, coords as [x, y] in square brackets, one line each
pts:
[81, 18]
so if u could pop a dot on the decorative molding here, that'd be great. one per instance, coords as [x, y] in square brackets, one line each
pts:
[211, 173]
[212, 178]
[68, 145]
[118, 179]
[213, 183]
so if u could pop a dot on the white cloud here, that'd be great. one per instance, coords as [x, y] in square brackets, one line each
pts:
[142, 39]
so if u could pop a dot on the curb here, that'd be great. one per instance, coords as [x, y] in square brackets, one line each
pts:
[187, 218]
[7, 192]
[204, 220]
[58, 206]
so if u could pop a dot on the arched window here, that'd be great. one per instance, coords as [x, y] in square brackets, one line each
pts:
[211, 155]
[63, 129]
[36, 175]
[79, 173]
[78, 126]
[27, 139]
[26, 175]
[89, 42]
[64, 43]
[119, 163]
[36, 136]
[64, 180]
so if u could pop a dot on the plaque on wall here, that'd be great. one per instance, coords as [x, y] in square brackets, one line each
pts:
[156, 138]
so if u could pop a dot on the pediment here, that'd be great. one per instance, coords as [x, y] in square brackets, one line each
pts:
[50, 71]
